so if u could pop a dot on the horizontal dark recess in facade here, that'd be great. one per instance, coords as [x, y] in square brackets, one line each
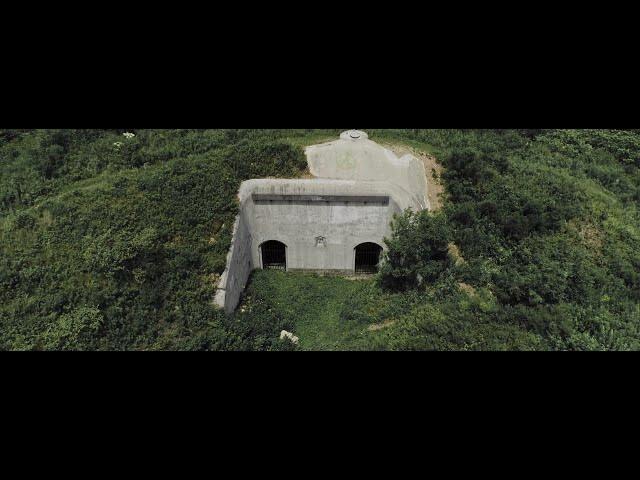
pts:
[379, 199]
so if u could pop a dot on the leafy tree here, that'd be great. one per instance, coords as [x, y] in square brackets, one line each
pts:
[417, 250]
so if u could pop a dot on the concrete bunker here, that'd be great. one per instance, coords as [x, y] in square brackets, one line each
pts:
[334, 223]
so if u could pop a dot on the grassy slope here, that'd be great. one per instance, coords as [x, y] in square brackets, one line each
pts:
[114, 257]
[114, 254]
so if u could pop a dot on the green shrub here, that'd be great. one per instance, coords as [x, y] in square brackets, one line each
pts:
[75, 330]
[417, 250]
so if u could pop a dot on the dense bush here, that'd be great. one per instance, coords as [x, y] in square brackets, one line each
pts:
[548, 223]
[114, 242]
[417, 250]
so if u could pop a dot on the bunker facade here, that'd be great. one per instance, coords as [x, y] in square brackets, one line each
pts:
[335, 223]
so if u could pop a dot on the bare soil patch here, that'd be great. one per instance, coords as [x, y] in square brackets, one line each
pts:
[432, 168]
[468, 289]
[590, 235]
[306, 174]
[379, 326]
[455, 255]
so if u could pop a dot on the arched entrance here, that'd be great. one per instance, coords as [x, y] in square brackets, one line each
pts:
[367, 258]
[274, 255]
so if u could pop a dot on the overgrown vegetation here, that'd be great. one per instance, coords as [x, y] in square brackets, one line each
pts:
[112, 241]
[547, 223]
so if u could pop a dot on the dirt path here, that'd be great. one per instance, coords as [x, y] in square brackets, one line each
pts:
[379, 326]
[435, 188]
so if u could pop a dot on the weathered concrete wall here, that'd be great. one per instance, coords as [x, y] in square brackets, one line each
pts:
[320, 221]
[239, 267]
[319, 235]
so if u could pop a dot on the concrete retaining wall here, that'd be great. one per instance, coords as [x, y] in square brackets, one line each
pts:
[239, 267]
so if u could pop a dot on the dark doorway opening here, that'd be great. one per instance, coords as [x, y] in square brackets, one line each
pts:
[367, 258]
[274, 255]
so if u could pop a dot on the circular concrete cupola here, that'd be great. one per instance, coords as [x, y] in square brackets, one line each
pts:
[354, 135]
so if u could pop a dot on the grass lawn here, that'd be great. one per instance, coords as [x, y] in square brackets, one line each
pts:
[326, 313]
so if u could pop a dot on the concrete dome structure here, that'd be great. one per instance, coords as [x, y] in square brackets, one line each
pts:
[320, 224]
[355, 157]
